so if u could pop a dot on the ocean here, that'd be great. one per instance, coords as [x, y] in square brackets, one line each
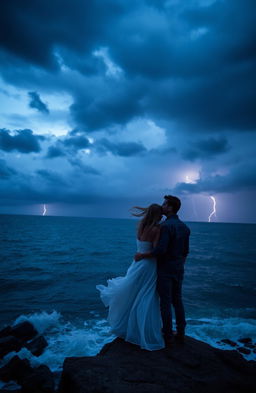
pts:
[50, 266]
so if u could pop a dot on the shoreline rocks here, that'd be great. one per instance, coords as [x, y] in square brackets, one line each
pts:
[192, 367]
[31, 379]
[121, 367]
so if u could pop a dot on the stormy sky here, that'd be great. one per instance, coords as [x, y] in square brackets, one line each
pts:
[115, 103]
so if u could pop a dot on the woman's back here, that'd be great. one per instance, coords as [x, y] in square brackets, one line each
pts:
[149, 234]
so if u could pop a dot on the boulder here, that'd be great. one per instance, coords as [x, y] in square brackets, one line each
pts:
[23, 330]
[9, 344]
[245, 340]
[15, 370]
[32, 380]
[192, 367]
[37, 345]
[39, 381]
[5, 331]
[244, 350]
[229, 342]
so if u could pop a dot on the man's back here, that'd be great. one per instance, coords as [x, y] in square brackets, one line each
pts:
[173, 246]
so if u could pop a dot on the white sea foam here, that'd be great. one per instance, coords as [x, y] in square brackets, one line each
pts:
[64, 339]
[212, 330]
[42, 321]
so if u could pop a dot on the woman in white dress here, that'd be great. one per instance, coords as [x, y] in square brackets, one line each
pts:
[133, 301]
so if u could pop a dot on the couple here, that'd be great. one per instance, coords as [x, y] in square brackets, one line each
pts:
[140, 302]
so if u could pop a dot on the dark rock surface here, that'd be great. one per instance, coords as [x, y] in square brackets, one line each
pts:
[39, 381]
[245, 340]
[9, 344]
[37, 345]
[15, 370]
[5, 331]
[194, 367]
[244, 350]
[229, 342]
[32, 380]
[22, 331]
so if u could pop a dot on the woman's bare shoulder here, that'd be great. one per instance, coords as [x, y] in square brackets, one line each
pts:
[155, 231]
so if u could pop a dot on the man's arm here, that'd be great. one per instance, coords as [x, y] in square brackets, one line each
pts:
[161, 245]
[186, 245]
[186, 248]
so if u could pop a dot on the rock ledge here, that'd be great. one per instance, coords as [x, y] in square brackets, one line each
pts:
[192, 367]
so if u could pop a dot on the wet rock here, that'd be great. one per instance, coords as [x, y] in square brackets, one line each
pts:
[249, 345]
[244, 350]
[15, 370]
[11, 387]
[194, 367]
[32, 380]
[5, 331]
[8, 344]
[37, 345]
[24, 331]
[229, 342]
[39, 381]
[245, 340]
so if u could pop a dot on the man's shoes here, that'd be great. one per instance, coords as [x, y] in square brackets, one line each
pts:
[169, 341]
[180, 337]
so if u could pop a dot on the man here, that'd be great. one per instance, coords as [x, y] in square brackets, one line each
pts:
[171, 252]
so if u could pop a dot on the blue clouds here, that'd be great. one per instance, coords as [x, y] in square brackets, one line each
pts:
[23, 141]
[186, 67]
[5, 171]
[206, 149]
[37, 103]
[124, 149]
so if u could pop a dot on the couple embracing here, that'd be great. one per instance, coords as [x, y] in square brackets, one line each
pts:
[140, 303]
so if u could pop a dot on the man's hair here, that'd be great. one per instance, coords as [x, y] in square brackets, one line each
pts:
[174, 202]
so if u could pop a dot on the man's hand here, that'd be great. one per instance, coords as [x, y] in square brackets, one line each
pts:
[138, 257]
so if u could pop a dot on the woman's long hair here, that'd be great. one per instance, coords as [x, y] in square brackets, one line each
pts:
[151, 216]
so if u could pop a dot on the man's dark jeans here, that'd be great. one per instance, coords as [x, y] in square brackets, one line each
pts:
[169, 287]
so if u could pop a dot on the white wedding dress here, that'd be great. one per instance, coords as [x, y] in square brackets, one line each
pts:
[134, 310]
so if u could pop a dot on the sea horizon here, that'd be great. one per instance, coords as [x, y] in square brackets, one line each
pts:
[123, 218]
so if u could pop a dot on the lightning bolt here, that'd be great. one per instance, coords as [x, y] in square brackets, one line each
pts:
[214, 208]
[45, 211]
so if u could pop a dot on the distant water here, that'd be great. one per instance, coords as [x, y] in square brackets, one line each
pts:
[50, 266]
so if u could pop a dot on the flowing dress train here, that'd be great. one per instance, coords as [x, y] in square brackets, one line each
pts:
[133, 302]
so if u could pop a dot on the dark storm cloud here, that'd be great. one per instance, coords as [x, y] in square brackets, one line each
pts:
[190, 62]
[239, 178]
[187, 66]
[5, 171]
[31, 30]
[23, 141]
[106, 105]
[37, 103]
[79, 142]
[54, 151]
[207, 149]
[86, 169]
[124, 149]
[71, 143]
[51, 177]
